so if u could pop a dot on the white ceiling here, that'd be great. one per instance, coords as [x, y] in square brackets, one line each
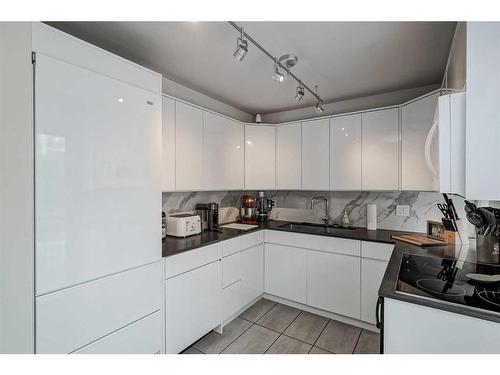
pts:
[346, 59]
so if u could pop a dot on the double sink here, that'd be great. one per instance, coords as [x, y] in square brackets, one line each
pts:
[314, 228]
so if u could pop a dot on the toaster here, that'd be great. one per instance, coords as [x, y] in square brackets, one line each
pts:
[183, 225]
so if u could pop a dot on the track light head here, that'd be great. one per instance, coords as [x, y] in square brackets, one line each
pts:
[299, 93]
[319, 107]
[277, 75]
[241, 48]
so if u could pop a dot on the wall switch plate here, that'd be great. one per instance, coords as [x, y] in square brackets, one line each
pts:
[402, 210]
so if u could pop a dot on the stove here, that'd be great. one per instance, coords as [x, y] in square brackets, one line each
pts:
[447, 280]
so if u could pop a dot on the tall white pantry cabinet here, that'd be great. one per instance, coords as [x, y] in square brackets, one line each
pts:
[97, 187]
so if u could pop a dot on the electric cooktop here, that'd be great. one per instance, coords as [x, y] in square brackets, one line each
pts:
[450, 280]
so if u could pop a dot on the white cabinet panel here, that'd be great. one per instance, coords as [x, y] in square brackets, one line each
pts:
[333, 283]
[345, 152]
[289, 156]
[316, 155]
[193, 305]
[141, 337]
[231, 269]
[69, 319]
[188, 147]
[168, 145]
[223, 155]
[417, 119]
[186, 261]
[285, 272]
[380, 149]
[243, 242]
[98, 183]
[260, 165]
[376, 250]
[232, 301]
[252, 273]
[372, 273]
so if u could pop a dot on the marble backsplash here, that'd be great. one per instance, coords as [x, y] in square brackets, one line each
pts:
[295, 206]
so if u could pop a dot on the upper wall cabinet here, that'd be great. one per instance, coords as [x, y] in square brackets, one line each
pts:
[288, 156]
[345, 152]
[417, 144]
[168, 145]
[380, 149]
[316, 155]
[223, 156]
[189, 147]
[260, 165]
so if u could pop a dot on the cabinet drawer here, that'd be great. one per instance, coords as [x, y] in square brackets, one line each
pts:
[231, 269]
[231, 300]
[141, 337]
[72, 318]
[189, 260]
[242, 242]
[308, 241]
[376, 250]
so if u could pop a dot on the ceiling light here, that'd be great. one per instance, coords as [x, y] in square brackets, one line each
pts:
[288, 61]
[319, 107]
[277, 76]
[299, 94]
[241, 47]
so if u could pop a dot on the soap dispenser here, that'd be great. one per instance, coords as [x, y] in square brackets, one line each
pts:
[345, 220]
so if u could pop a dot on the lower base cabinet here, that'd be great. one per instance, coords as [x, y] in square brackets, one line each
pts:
[333, 283]
[372, 273]
[252, 273]
[193, 305]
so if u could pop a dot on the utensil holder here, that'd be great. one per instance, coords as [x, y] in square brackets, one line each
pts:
[487, 249]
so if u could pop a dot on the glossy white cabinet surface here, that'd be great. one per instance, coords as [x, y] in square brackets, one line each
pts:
[483, 111]
[316, 155]
[223, 153]
[289, 156]
[231, 269]
[345, 152]
[380, 149]
[260, 157]
[372, 273]
[98, 183]
[333, 283]
[417, 119]
[285, 272]
[188, 147]
[252, 273]
[74, 317]
[193, 306]
[168, 145]
[141, 337]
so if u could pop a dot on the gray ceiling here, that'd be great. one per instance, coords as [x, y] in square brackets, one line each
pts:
[346, 59]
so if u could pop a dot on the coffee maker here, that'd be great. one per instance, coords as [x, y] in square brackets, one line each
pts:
[264, 207]
[209, 214]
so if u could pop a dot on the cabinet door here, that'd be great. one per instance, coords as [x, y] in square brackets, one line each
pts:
[193, 303]
[285, 272]
[252, 273]
[417, 118]
[345, 152]
[380, 149]
[288, 156]
[168, 145]
[188, 147]
[316, 155]
[333, 283]
[260, 166]
[223, 156]
[372, 272]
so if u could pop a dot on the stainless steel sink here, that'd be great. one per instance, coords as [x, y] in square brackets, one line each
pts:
[314, 228]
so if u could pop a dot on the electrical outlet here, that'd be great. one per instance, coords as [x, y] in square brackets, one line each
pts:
[402, 210]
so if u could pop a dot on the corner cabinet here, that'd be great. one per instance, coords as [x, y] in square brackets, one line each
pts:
[316, 155]
[260, 157]
[289, 156]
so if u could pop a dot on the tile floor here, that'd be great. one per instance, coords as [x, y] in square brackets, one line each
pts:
[273, 328]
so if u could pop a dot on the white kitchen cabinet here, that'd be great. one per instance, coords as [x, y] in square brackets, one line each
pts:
[260, 156]
[483, 111]
[289, 156]
[345, 152]
[380, 149]
[192, 305]
[316, 155]
[223, 153]
[252, 273]
[188, 147]
[372, 273]
[333, 283]
[285, 272]
[168, 145]
[417, 119]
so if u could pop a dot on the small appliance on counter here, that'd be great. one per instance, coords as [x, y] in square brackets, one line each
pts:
[248, 211]
[183, 225]
[264, 207]
[209, 214]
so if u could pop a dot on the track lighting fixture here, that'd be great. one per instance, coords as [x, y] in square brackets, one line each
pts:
[299, 93]
[319, 107]
[277, 75]
[241, 47]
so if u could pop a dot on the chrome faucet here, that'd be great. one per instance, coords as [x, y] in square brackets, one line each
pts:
[326, 218]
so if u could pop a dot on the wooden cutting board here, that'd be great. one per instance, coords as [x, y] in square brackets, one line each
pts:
[418, 240]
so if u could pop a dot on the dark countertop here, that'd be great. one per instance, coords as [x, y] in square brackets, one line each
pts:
[176, 245]
[465, 253]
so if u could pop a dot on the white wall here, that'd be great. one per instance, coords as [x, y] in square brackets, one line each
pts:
[16, 190]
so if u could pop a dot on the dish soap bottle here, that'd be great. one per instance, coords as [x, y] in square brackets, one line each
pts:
[345, 220]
